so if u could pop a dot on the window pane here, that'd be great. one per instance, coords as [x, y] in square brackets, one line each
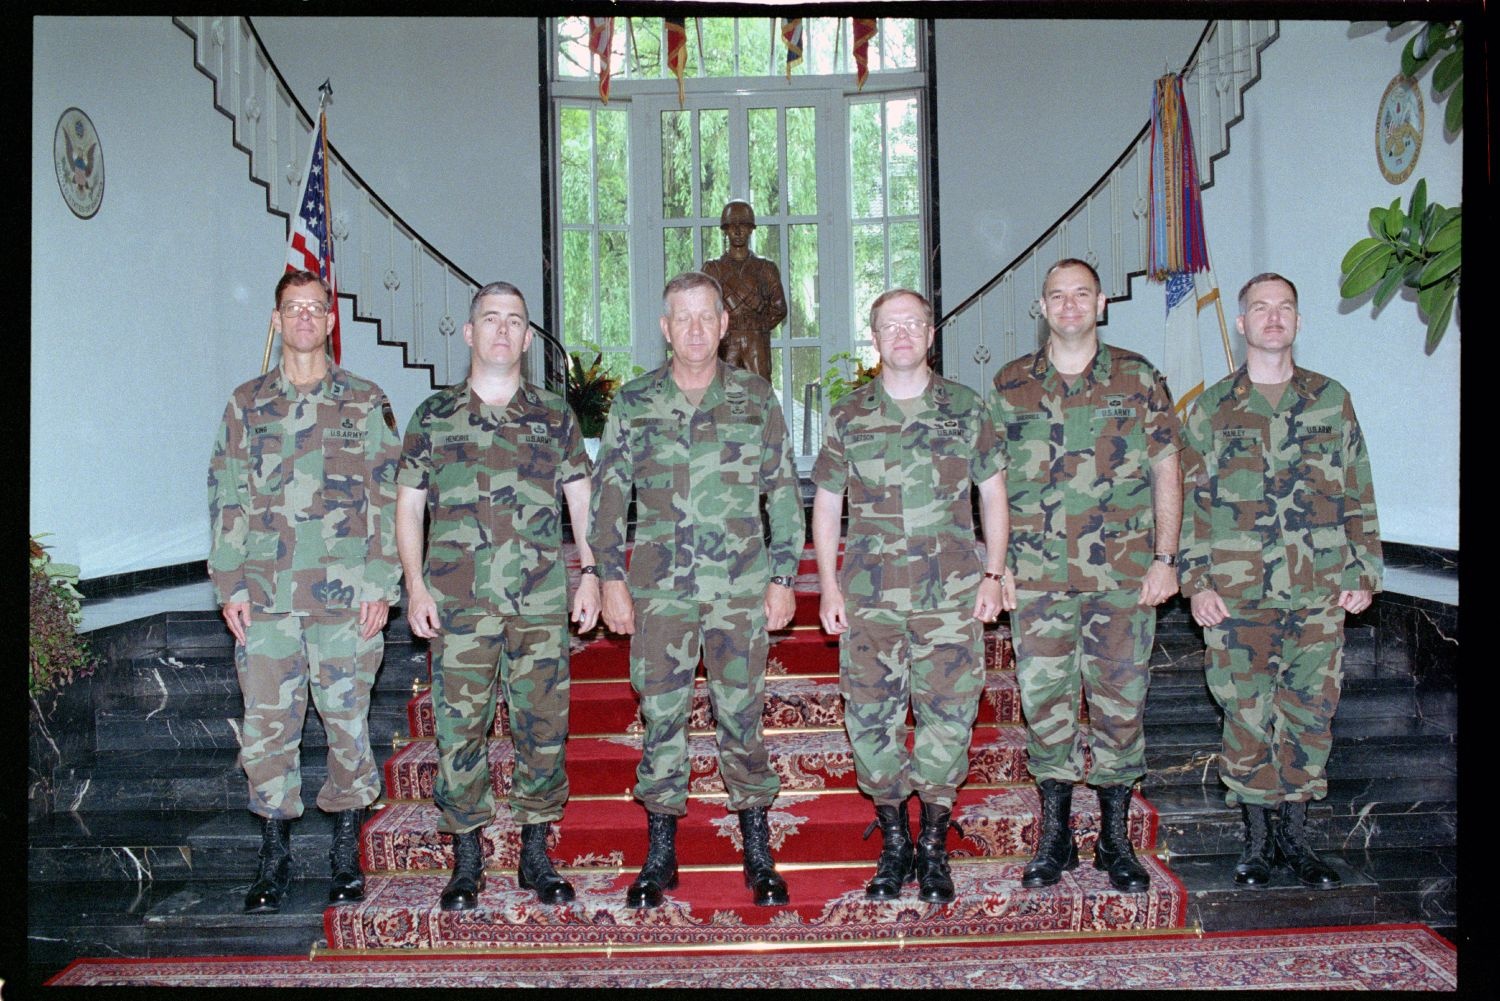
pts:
[573, 47]
[898, 41]
[578, 288]
[755, 45]
[676, 164]
[906, 255]
[901, 142]
[825, 50]
[574, 164]
[807, 367]
[866, 179]
[613, 166]
[766, 242]
[869, 272]
[614, 288]
[801, 161]
[677, 251]
[619, 365]
[802, 282]
[713, 146]
[647, 62]
[765, 181]
[718, 44]
[713, 241]
[777, 373]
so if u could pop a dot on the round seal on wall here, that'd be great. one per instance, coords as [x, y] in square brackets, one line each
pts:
[1398, 129]
[79, 159]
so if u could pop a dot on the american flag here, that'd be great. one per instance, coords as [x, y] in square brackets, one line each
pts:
[310, 248]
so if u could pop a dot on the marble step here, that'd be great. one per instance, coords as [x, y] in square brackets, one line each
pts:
[1185, 753]
[806, 828]
[803, 761]
[133, 847]
[1379, 887]
[155, 677]
[713, 907]
[1413, 811]
[124, 723]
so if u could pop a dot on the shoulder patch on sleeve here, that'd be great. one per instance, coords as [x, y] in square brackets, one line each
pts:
[390, 417]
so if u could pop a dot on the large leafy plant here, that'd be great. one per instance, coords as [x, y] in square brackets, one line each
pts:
[1443, 42]
[590, 392]
[58, 653]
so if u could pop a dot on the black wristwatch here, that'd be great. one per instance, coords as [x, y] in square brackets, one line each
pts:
[1170, 559]
[785, 581]
[590, 569]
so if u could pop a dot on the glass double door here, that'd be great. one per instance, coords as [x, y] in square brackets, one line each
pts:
[786, 155]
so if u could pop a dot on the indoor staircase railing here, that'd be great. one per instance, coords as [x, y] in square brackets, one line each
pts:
[1107, 226]
[417, 297]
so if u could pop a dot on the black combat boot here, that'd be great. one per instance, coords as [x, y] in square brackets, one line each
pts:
[343, 857]
[462, 891]
[1113, 852]
[1293, 851]
[934, 881]
[1255, 862]
[274, 875]
[897, 864]
[660, 871]
[766, 885]
[1056, 851]
[535, 872]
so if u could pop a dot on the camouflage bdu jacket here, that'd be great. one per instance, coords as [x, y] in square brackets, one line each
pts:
[1079, 468]
[910, 542]
[493, 478]
[302, 496]
[698, 475]
[1280, 505]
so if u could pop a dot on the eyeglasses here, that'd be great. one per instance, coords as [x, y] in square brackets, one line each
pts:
[891, 327]
[293, 308]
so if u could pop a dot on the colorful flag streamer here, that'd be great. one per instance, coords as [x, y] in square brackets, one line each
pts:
[1175, 220]
[676, 32]
[601, 36]
[791, 35]
[864, 30]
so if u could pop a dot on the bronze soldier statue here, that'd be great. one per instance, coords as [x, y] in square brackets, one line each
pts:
[752, 292]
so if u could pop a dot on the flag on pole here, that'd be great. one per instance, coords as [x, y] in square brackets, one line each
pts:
[791, 35]
[1188, 294]
[310, 247]
[676, 32]
[601, 35]
[864, 30]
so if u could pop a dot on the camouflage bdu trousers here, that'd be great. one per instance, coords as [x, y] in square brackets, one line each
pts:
[525, 659]
[1099, 641]
[731, 633]
[931, 661]
[284, 655]
[1276, 673]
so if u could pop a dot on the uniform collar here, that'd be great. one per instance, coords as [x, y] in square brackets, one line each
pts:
[1300, 383]
[525, 394]
[713, 395]
[1096, 372]
[935, 396]
[335, 383]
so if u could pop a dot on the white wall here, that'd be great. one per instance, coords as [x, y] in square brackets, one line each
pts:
[1292, 196]
[440, 117]
[145, 317]
[1030, 113]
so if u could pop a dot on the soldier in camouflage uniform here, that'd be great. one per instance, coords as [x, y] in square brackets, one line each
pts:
[301, 492]
[701, 442]
[487, 459]
[1281, 541]
[1095, 507]
[912, 595]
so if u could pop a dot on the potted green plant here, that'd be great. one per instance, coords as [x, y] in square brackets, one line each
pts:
[846, 373]
[590, 392]
[58, 653]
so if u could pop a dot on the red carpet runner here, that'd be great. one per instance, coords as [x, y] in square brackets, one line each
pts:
[816, 827]
[1390, 957]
